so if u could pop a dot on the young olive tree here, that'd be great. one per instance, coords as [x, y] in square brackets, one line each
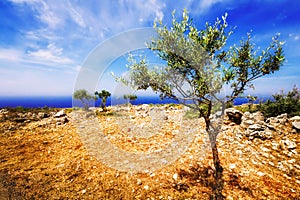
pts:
[130, 98]
[83, 96]
[103, 95]
[198, 67]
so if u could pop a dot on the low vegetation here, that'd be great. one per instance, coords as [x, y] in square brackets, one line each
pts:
[280, 103]
[283, 103]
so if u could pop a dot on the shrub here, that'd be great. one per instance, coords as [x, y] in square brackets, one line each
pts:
[249, 107]
[283, 103]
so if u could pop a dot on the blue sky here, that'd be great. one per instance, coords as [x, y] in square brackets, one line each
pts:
[44, 44]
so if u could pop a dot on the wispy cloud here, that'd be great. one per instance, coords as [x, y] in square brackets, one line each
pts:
[51, 54]
[52, 57]
[63, 33]
[76, 16]
[48, 15]
[293, 36]
[206, 4]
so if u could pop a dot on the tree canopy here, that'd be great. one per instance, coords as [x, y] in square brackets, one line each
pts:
[199, 65]
[83, 96]
[103, 95]
[130, 97]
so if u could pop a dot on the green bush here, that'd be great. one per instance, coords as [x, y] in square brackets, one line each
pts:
[283, 103]
[249, 107]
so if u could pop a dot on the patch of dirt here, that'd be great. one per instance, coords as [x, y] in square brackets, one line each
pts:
[44, 160]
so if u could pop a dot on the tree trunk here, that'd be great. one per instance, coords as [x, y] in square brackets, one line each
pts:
[218, 173]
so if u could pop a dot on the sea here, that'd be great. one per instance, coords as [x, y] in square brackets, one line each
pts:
[69, 102]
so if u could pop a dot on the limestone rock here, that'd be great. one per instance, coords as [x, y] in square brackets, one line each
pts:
[42, 115]
[288, 144]
[60, 113]
[296, 125]
[258, 116]
[283, 118]
[264, 135]
[249, 119]
[295, 119]
[234, 115]
[256, 127]
[246, 123]
[62, 120]
[279, 120]
[144, 107]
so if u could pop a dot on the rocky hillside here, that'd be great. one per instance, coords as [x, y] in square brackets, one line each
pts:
[49, 154]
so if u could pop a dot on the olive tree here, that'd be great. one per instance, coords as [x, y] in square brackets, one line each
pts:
[83, 96]
[103, 95]
[198, 65]
[130, 98]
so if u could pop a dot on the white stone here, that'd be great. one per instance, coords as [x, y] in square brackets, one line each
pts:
[294, 151]
[280, 166]
[295, 119]
[265, 149]
[282, 116]
[296, 125]
[256, 127]
[175, 176]
[275, 145]
[239, 152]
[260, 174]
[258, 116]
[232, 166]
[139, 182]
[291, 161]
[289, 144]
[60, 113]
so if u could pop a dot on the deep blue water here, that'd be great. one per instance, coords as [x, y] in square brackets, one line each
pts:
[36, 102]
[66, 101]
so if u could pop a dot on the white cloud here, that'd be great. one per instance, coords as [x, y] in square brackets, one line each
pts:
[45, 13]
[52, 54]
[47, 16]
[206, 4]
[294, 36]
[73, 28]
[48, 59]
[76, 16]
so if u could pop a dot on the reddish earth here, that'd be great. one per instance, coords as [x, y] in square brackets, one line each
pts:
[42, 158]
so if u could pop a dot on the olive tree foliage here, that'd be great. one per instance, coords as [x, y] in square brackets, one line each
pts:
[103, 95]
[199, 65]
[83, 96]
[130, 98]
[246, 64]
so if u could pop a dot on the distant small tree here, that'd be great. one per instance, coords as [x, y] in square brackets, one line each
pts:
[130, 98]
[103, 95]
[198, 67]
[83, 96]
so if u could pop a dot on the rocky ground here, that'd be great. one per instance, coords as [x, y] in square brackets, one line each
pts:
[145, 152]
